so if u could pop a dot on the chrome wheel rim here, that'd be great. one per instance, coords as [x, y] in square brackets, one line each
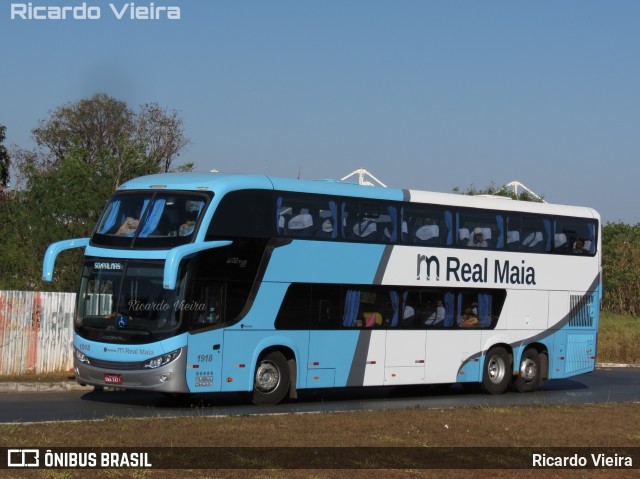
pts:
[267, 377]
[496, 369]
[528, 370]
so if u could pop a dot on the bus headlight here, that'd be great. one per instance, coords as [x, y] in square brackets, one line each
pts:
[162, 360]
[80, 356]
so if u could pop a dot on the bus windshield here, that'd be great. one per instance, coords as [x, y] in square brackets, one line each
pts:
[126, 298]
[145, 219]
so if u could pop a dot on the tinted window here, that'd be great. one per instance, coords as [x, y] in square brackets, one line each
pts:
[369, 221]
[329, 306]
[528, 233]
[426, 225]
[574, 236]
[306, 216]
[479, 229]
[245, 213]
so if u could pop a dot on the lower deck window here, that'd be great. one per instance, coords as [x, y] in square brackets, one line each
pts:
[323, 306]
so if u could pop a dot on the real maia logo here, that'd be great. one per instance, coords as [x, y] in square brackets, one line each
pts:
[504, 272]
[85, 11]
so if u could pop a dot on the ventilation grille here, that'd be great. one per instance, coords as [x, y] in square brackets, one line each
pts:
[581, 311]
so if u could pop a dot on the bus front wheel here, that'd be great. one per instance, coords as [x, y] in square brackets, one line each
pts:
[272, 380]
[496, 375]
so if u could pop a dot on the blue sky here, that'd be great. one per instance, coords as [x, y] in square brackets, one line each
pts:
[425, 94]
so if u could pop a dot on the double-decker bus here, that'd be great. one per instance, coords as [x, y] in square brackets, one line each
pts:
[215, 283]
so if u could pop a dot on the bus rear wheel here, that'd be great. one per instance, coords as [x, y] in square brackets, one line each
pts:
[529, 372]
[272, 379]
[496, 374]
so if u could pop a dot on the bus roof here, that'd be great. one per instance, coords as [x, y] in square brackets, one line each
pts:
[222, 183]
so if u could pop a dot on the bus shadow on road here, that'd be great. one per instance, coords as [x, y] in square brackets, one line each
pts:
[457, 395]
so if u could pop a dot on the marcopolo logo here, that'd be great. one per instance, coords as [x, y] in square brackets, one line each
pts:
[88, 11]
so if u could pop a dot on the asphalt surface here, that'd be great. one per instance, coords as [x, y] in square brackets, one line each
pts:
[24, 403]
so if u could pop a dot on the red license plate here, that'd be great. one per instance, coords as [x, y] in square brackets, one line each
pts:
[113, 378]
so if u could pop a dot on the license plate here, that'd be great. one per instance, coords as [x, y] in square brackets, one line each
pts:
[113, 378]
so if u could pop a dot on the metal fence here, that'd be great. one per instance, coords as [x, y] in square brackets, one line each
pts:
[36, 332]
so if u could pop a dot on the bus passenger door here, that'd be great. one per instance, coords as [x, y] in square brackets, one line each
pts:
[204, 361]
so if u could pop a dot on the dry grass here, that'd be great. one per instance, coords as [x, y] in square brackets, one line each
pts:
[38, 377]
[607, 425]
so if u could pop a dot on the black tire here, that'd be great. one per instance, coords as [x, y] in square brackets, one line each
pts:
[271, 381]
[529, 372]
[496, 374]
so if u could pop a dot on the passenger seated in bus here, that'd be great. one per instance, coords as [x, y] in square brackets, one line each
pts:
[369, 320]
[437, 316]
[188, 226]
[579, 247]
[468, 319]
[478, 240]
[373, 319]
[128, 227]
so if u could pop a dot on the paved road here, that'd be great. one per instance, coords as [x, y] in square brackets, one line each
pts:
[604, 385]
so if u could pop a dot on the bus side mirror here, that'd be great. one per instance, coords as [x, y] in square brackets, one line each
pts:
[177, 254]
[54, 250]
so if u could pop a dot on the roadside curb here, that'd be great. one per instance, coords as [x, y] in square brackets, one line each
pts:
[42, 387]
[616, 365]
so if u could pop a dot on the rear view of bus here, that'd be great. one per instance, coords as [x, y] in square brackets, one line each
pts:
[197, 283]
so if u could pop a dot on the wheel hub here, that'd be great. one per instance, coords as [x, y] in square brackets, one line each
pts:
[528, 370]
[267, 377]
[496, 369]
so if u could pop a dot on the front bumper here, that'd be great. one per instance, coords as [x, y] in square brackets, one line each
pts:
[170, 378]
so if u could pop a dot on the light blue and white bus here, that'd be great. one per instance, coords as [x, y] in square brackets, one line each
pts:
[215, 283]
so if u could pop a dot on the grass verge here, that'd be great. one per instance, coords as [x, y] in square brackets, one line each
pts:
[597, 426]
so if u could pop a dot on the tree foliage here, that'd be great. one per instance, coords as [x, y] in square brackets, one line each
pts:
[621, 268]
[493, 190]
[85, 150]
[4, 160]
[108, 137]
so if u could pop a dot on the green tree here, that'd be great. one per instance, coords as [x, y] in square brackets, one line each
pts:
[109, 137]
[493, 190]
[621, 268]
[4, 160]
[85, 150]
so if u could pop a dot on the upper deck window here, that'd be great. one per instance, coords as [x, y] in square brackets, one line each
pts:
[149, 220]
